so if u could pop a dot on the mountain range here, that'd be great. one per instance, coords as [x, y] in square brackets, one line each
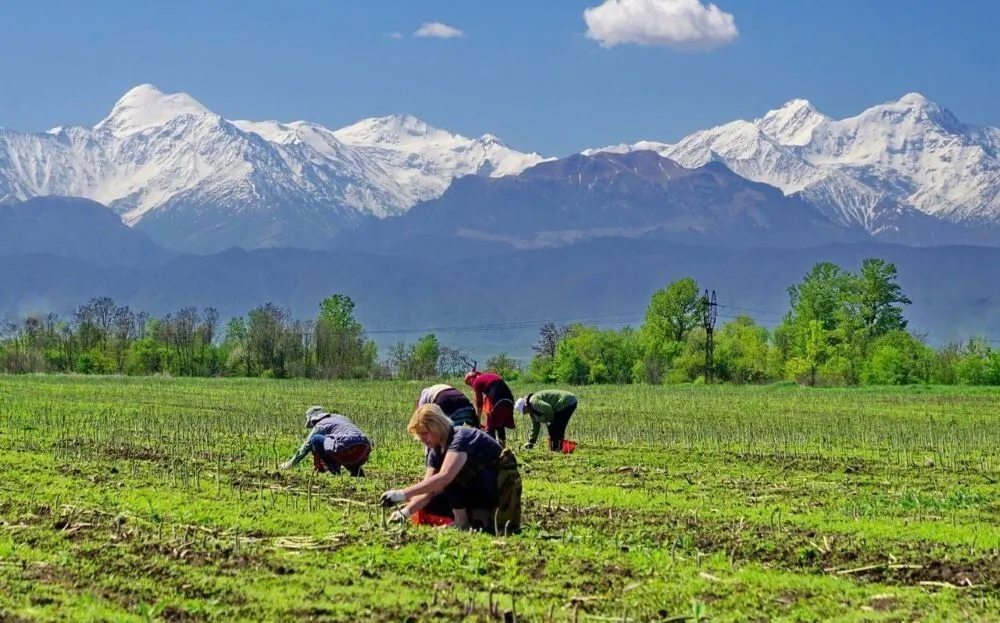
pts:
[906, 171]
[887, 169]
[200, 183]
[608, 195]
[480, 243]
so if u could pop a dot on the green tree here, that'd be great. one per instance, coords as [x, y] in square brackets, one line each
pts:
[880, 298]
[822, 326]
[898, 358]
[338, 312]
[671, 314]
[341, 347]
[265, 337]
[237, 336]
[541, 368]
[821, 296]
[590, 355]
[815, 352]
[742, 351]
[424, 361]
[504, 365]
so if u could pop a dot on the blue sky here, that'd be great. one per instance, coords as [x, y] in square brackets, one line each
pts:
[524, 69]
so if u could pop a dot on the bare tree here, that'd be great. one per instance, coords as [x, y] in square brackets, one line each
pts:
[548, 340]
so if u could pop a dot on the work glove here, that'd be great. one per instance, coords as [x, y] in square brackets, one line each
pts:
[399, 516]
[392, 497]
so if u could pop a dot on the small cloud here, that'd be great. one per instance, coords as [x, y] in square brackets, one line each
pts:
[681, 24]
[394, 35]
[438, 30]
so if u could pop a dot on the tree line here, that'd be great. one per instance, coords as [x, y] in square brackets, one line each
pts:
[841, 328]
[102, 337]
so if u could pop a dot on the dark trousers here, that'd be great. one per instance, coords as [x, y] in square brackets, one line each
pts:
[473, 490]
[500, 434]
[557, 427]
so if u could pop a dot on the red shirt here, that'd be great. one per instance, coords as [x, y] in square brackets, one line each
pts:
[492, 386]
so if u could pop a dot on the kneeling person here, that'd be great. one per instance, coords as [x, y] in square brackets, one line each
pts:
[461, 476]
[334, 441]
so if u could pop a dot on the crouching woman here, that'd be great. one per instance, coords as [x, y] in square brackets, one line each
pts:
[468, 476]
[334, 441]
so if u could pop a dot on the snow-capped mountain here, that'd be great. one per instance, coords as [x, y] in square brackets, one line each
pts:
[197, 181]
[424, 160]
[906, 171]
[885, 169]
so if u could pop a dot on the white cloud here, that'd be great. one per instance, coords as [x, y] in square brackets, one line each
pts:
[438, 30]
[394, 35]
[681, 24]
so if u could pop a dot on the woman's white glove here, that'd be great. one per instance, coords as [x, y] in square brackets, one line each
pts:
[399, 516]
[392, 497]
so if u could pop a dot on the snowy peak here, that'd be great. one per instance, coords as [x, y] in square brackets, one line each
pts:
[894, 160]
[912, 112]
[145, 107]
[424, 160]
[915, 100]
[793, 123]
[394, 130]
[169, 165]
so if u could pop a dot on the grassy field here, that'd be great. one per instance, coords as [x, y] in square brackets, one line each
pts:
[159, 499]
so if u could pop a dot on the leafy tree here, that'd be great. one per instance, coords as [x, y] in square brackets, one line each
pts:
[504, 365]
[821, 296]
[426, 353]
[264, 339]
[338, 312]
[974, 363]
[237, 334]
[898, 358]
[671, 314]
[880, 298]
[341, 347]
[673, 311]
[851, 310]
[742, 351]
[815, 353]
[542, 364]
[591, 355]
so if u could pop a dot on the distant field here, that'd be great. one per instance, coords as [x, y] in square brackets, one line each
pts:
[158, 499]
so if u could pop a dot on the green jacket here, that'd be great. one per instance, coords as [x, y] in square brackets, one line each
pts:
[543, 405]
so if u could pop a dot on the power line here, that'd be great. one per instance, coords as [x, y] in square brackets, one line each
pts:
[511, 325]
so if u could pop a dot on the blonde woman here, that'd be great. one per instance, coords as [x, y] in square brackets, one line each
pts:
[461, 476]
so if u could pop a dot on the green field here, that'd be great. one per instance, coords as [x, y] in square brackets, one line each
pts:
[159, 499]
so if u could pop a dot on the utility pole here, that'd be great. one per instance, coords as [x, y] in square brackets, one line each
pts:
[708, 314]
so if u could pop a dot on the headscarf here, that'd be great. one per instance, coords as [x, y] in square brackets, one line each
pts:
[430, 393]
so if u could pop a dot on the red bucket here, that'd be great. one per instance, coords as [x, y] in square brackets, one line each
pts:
[568, 446]
[423, 518]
